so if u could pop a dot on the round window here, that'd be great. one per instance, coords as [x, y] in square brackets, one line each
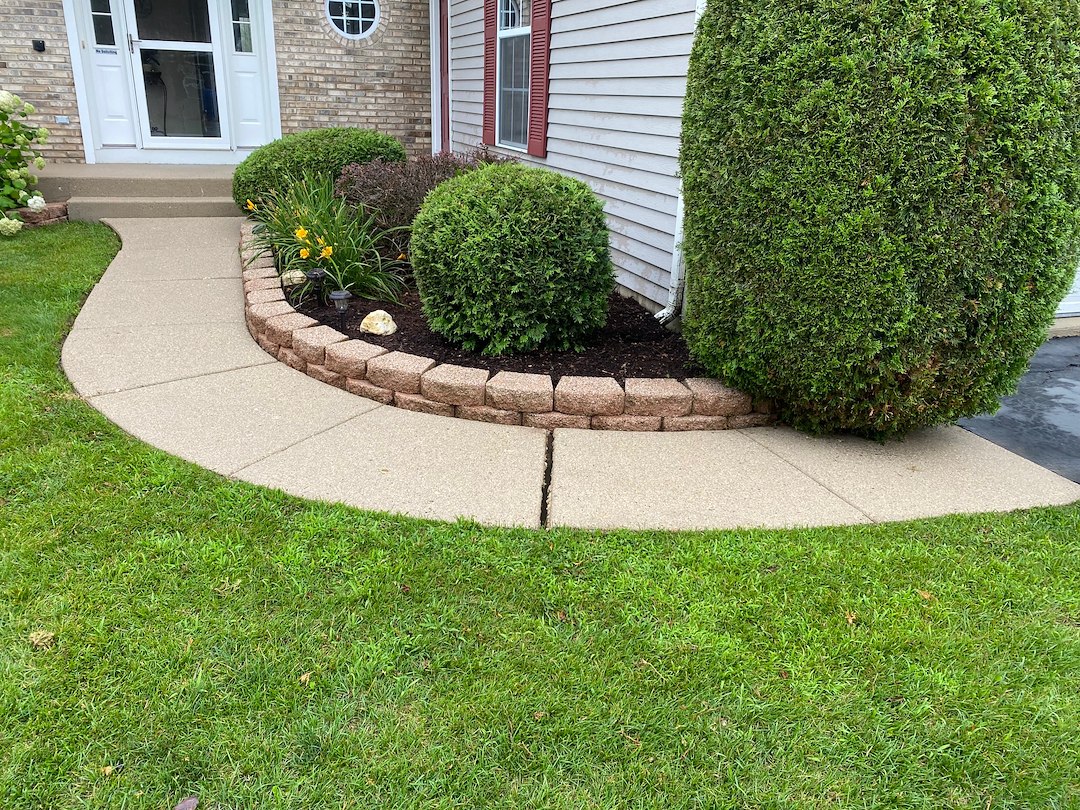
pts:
[354, 19]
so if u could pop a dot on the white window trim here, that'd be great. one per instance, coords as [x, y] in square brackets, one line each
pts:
[509, 33]
[362, 34]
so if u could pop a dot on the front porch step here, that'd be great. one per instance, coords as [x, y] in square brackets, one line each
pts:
[63, 181]
[91, 209]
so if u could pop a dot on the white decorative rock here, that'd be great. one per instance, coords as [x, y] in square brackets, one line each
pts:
[378, 322]
[292, 277]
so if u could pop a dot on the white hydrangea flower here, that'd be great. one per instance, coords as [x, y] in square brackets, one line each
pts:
[36, 204]
[9, 227]
[39, 162]
[42, 134]
[9, 102]
[28, 108]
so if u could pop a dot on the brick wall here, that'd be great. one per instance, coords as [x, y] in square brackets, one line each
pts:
[381, 82]
[43, 79]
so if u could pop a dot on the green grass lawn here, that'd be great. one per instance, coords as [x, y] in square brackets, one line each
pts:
[219, 640]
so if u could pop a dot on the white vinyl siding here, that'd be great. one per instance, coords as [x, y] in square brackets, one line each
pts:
[617, 80]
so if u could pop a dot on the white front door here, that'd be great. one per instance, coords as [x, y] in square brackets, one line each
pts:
[176, 81]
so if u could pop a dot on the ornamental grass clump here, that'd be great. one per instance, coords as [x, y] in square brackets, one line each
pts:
[510, 259]
[882, 202]
[318, 152]
[17, 155]
[309, 228]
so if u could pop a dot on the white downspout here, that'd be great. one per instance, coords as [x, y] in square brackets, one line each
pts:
[677, 276]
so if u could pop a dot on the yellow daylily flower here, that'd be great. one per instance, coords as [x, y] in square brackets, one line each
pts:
[301, 233]
[402, 257]
[320, 240]
[327, 252]
[304, 253]
[250, 205]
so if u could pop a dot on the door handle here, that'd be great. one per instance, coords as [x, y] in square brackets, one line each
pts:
[132, 42]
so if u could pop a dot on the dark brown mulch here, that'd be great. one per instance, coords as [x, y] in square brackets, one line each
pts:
[632, 344]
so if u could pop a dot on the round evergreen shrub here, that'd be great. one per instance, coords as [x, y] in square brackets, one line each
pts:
[278, 164]
[509, 258]
[882, 202]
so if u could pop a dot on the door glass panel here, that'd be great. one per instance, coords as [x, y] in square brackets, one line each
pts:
[173, 20]
[241, 24]
[103, 27]
[181, 95]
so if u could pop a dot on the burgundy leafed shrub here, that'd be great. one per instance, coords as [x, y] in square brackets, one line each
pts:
[394, 191]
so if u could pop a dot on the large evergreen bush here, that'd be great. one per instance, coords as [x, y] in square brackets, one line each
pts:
[317, 152]
[509, 258]
[882, 201]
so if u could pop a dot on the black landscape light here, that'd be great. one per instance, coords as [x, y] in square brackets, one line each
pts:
[341, 304]
[316, 277]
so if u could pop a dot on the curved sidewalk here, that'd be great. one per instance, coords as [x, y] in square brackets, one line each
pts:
[161, 348]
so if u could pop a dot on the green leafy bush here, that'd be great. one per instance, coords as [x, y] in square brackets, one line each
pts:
[17, 154]
[309, 228]
[394, 190]
[882, 202]
[509, 258]
[277, 165]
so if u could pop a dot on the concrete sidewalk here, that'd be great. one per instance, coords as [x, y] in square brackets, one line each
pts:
[160, 347]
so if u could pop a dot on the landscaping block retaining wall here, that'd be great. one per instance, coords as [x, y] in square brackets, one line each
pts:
[507, 398]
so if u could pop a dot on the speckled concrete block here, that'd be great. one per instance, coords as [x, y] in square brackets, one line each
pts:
[280, 329]
[625, 422]
[252, 272]
[713, 398]
[351, 357]
[311, 343]
[398, 371]
[657, 397]
[365, 389]
[325, 375]
[259, 314]
[589, 396]
[273, 283]
[751, 420]
[267, 346]
[553, 420]
[454, 385]
[265, 296]
[695, 422]
[515, 391]
[420, 404]
[292, 359]
[485, 413]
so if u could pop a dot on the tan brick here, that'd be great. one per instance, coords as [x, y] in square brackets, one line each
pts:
[515, 391]
[398, 371]
[311, 343]
[253, 260]
[589, 396]
[365, 389]
[454, 385]
[695, 422]
[351, 357]
[415, 402]
[292, 359]
[259, 314]
[713, 398]
[265, 296]
[267, 346]
[762, 405]
[280, 328]
[553, 419]
[273, 283]
[252, 273]
[657, 397]
[323, 374]
[485, 413]
[626, 422]
[751, 420]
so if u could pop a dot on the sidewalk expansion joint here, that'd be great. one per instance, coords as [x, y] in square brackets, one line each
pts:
[813, 478]
[545, 487]
[179, 379]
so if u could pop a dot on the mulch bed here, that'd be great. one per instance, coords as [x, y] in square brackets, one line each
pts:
[632, 344]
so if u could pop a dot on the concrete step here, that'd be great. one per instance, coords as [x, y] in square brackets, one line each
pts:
[62, 181]
[91, 209]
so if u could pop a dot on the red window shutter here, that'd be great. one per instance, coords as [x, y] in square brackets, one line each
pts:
[540, 59]
[491, 41]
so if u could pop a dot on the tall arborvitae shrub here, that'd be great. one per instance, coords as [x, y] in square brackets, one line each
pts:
[882, 201]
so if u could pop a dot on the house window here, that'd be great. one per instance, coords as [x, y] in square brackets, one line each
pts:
[512, 106]
[354, 19]
[241, 26]
[103, 24]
